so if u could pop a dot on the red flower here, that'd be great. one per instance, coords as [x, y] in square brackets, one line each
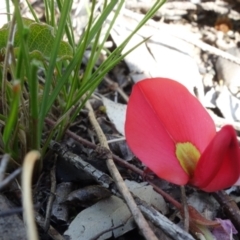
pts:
[169, 130]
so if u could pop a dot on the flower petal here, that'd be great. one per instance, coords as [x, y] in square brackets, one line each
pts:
[147, 136]
[219, 165]
[179, 112]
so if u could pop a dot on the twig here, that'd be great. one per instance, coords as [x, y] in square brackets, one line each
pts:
[28, 212]
[185, 209]
[51, 196]
[99, 176]
[15, 210]
[117, 88]
[166, 196]
[137, 215]
[3, 166]
[120, 139]
[10, 178]
[52, 232]
[229, 206]
[159, 220]
[94, 146]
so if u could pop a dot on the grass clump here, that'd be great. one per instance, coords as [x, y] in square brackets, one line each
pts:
[39, 71]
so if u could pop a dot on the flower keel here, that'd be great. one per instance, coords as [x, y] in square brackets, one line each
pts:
[219, 165]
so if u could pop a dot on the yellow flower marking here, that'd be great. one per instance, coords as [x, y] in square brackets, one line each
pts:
[188, 156]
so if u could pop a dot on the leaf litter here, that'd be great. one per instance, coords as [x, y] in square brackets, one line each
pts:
[197, 21]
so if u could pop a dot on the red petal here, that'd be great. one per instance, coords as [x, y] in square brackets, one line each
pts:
[179, 112]
[219, 165]
[146, 134]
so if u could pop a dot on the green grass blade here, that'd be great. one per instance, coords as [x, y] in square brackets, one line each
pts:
[8, 10]
[33, 107]
[68, 27]
[13, 115]
[32, 11]
[47, 11]
[52, 62]
[80, 51]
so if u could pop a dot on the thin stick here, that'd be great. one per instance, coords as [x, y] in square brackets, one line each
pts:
[28, 209]
[51, 197]
[52, 232]
[137, 215]
[10, 178]
[3, 166]
[117, 88]
[185, 209]
[229, 206]
[94, 146]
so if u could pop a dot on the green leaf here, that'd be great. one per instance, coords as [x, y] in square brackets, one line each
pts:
[40, 41]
